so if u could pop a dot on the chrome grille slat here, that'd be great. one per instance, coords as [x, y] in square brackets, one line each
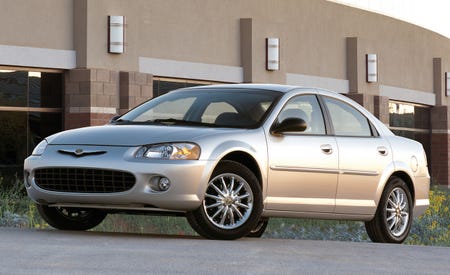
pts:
[83, 180]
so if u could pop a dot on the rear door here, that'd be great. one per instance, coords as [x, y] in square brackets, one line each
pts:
[363, 155]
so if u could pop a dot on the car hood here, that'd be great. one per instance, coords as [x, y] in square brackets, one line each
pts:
[129, 135]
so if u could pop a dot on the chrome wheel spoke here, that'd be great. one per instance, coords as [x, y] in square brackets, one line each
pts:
[244, 196]
[224, 215]
[217, 190]
[242, 205]
[239, 188]
[231, 215]
[231, 186]
[237, 211]
[217, 212]
[217, 204]
[403, 205]
[391, 210]
[391, 203]
[225, 190]
[401, 199]
[391, 217]
[213, 197]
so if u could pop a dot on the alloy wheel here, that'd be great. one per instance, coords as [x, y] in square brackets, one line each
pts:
[397, 212]
[228, 201]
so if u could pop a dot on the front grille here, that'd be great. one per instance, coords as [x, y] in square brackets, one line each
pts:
[83, 180]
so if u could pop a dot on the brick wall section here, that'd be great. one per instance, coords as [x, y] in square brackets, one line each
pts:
[94, 96]
[135, 88]
[91, 97]
[72, 121]
[79, 120]
[381, 108]
[439, 159]
[440, 141]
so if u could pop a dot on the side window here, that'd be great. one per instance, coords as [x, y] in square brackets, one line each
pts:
[307, 108]
[347, 121]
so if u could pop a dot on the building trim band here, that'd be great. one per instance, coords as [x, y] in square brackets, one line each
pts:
[191, 70]
[37, 57]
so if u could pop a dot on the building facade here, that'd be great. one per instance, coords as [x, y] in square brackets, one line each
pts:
[59, 66]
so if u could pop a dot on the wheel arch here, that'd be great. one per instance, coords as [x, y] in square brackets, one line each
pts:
[407, 179]
[400, 170]
[248, 161]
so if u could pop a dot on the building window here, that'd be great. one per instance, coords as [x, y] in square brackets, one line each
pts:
[30, 110]
[411, 121]
[162, 85]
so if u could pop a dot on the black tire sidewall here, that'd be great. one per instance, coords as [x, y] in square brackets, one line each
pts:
[259, 229]
[56, 219]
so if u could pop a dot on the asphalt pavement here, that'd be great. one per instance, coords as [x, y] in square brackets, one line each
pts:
[25, 251]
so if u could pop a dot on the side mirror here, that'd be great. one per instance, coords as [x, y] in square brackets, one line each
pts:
[289, 125]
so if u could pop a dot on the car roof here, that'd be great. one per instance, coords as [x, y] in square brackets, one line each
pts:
[272, 87]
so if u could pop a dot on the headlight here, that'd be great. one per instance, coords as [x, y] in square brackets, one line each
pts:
[181, 151]
[40, 148]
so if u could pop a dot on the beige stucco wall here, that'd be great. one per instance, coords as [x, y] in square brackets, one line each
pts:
[191, 31]
[312, 36]
[41, 24]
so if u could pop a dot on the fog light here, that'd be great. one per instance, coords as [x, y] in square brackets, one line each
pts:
[26, 176]
[164, 184]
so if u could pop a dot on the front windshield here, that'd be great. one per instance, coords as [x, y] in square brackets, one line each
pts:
[210, 107]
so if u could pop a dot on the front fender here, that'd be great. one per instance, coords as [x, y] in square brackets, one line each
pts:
[221, 150]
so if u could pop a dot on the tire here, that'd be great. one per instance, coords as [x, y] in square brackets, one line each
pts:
[66, 218]
[232, 205]
[259, 229]
[394, 215]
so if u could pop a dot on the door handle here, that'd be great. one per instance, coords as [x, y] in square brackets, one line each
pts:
[382, 150]
[326, 148]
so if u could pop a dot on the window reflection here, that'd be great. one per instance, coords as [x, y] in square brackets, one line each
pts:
[411, 121]
[45, 90]
[23, 127]
[13, 88]
[409, 115]
[13, 141]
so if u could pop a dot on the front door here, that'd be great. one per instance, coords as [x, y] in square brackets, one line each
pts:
[303, 166]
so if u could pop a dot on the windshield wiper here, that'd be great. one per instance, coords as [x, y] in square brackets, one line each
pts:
[165, 121]
[120, 121]
[174, 121]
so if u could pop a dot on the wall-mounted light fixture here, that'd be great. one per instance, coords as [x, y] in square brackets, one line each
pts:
[116, 34]
[371, 68]
[272, 54]
[447, 83]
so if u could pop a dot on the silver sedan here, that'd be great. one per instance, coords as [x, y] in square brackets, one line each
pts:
[229, 157]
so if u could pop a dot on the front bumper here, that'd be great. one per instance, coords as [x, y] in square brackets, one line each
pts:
[188, 179]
